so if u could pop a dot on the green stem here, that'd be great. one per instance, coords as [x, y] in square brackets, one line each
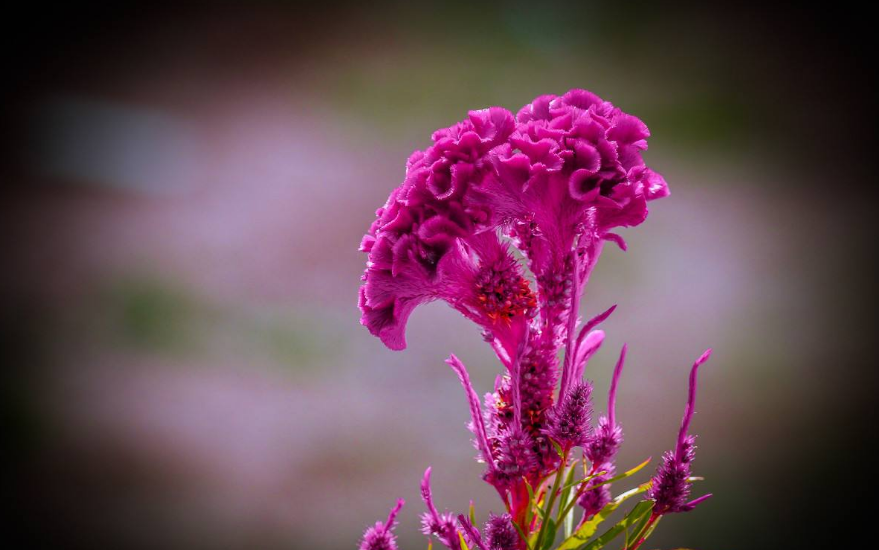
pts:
[640, 537]
[538, 543]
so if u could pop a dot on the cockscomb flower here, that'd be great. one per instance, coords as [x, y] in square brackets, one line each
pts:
[381, 535]
[504, 218]
[424, 221]
[670, 487]
[569, 156]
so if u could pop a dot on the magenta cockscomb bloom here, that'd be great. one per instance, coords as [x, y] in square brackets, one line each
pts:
[423, 244]
[570, 157]
[504, 218]
[381, 535]
[670, 488]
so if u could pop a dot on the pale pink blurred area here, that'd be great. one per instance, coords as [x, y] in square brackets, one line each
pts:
[184, 275]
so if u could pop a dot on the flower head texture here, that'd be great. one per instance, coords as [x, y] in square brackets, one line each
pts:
[381, 535]
[670, 487]
[564, 166]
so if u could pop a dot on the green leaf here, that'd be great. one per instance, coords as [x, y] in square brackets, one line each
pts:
[584, 480]
[638, 531]
[531, 503]
[624, 475]
[589, 528]
[472, 514]
[633, 517]
[651, 528]
[558, 448]
[549, 536]
[563, 502]
[582, 490]
[463, 542]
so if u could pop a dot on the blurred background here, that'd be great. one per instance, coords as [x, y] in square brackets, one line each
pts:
[186, 190]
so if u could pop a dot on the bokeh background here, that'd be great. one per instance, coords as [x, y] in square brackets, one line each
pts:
[186, 191]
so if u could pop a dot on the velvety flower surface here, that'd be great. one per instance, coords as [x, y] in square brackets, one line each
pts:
[419, 245]
[565, 166]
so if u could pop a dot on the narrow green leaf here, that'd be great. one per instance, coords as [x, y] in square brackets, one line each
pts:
[472, 513]
[557, 447]
[463, 542]
[541, 513]
[563, 501]
[631, 518]
[589, 528]
[638, 531]
[650, 529]
[531, 504]
[549, 536]
[582, 490]
[569, 525]
[624, 475]
[584, 480]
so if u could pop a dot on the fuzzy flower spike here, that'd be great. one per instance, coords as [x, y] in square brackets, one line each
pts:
[670, 488]
[381, 535]
[434, 523]
[602, 448]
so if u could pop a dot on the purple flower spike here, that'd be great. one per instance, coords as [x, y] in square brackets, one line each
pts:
[608, 436]
[670, 488]
[516, 456]
[593, 500]
[442, 526]
[473, 536]
[594, 322]
[680, 450]
[585, 350]
[568, 422]
[477, 424]
[381, 536]
[500, 533]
